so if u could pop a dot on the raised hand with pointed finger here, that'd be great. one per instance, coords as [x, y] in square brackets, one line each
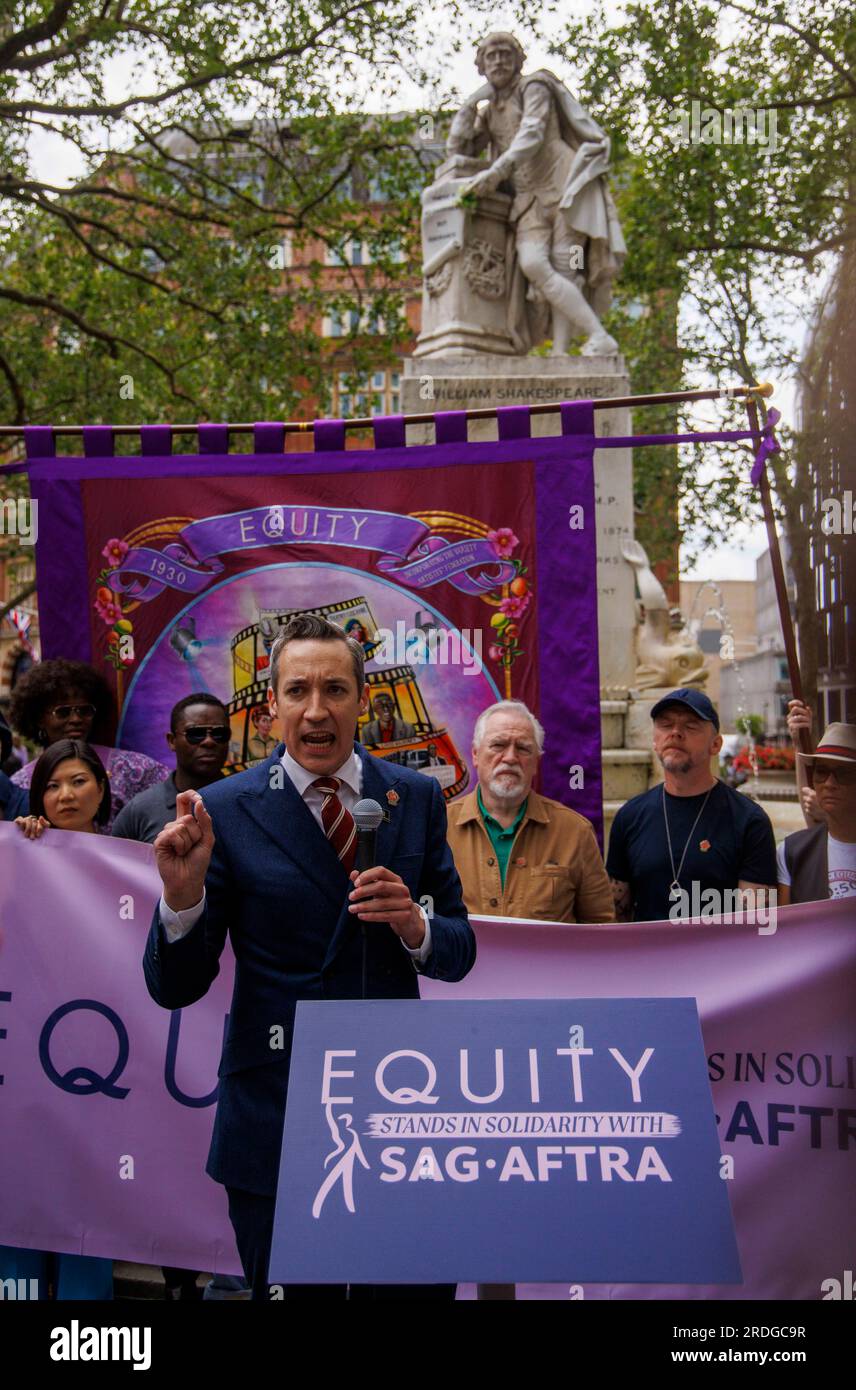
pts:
[183, 852]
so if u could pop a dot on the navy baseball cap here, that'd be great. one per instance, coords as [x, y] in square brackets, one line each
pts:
[695, 700]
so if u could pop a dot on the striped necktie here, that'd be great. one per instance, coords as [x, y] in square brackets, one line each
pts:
[337, 822]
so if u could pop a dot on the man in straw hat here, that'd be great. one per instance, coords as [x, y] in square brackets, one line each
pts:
[820, 862]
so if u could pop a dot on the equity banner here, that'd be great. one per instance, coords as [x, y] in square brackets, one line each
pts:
[466, 572]
[435, 1141]
[106, 1101]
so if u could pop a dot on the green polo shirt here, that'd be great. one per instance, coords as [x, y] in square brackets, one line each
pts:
[500, 838]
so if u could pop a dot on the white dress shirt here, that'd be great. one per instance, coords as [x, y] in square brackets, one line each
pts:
[350, 775]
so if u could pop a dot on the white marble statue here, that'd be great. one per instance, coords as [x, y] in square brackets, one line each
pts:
[667, 655]
[567, 241]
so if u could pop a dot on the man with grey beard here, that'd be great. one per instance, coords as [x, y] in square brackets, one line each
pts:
[520, 854]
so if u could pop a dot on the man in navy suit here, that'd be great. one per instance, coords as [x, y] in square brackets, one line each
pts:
[267, 858]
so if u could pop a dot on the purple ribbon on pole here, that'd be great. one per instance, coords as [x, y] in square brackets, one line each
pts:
[769, 445]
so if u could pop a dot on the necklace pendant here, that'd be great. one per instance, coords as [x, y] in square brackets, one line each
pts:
[674, 886]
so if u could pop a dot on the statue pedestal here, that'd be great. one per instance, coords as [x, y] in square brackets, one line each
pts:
[466, 382]
[467, 260]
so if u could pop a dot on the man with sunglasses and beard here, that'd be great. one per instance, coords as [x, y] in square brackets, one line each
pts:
[199, 737]
[820, 862]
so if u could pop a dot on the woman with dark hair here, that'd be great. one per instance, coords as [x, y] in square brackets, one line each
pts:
[71, 700]
[69, 791]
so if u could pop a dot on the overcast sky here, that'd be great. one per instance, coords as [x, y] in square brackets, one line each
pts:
[58, 162]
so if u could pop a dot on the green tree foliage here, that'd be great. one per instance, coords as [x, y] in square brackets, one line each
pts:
[743, 237]
[157, 287]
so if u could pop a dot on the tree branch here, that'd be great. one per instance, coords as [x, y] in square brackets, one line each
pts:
[240, 66]
[71, 220]
[772, 105]
[15, 389]
[71, 48]
[780, 22]
[36, 33]
[112, 341]
[773, 249]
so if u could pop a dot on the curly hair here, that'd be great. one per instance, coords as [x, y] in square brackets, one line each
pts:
[499, 35]
[50, 683]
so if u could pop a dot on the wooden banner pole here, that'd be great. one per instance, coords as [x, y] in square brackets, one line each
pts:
[480, 413]
[780, 583]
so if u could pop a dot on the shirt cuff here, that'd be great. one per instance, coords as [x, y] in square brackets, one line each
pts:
[178, 924]
[419, 954]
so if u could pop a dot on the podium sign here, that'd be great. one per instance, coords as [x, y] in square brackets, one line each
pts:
[500, 1142]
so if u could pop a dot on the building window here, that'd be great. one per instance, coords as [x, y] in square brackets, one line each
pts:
[377, 394]
[341, 323]
[354, 252]
[377, 191]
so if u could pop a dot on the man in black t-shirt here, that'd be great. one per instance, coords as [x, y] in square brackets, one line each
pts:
[680, 849]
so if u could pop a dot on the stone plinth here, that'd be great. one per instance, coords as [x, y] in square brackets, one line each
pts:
[466, 270]
[452, 383]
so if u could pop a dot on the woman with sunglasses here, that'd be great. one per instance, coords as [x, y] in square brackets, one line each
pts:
[69, 791]
[70, 699]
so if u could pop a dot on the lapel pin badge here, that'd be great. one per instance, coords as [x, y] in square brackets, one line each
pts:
[704, 846]
[392, 797]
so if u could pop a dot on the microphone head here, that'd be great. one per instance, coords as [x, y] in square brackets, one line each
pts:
[367, 815]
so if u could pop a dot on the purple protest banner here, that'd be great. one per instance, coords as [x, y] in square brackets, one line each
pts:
[107, 1098]
[467, 572]
[117, 1078]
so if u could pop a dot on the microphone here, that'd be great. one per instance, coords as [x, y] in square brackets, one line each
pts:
[367, 817]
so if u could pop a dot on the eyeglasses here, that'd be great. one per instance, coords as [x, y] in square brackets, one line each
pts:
[197, 733]
[844, 776]
[65, 711]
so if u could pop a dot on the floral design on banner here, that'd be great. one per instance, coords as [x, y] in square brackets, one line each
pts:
[108, 606]
[512, 600]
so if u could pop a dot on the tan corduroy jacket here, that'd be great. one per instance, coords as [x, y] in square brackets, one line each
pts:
[555, 870]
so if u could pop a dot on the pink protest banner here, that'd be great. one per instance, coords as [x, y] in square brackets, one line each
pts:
[107, 1100]
[116, 1078]
[778, 1017]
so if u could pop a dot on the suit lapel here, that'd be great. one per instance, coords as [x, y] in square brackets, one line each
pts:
[378, 780]
[276, 807]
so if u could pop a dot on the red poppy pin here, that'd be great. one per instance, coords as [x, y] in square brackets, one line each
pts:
[393, 798]
[704, 846]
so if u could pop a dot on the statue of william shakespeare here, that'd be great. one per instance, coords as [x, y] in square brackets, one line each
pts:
[543, 240]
